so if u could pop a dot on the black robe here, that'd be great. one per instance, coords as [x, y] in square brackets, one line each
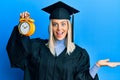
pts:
[35, 58]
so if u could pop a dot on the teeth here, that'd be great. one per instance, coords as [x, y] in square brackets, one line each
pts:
[59, 33]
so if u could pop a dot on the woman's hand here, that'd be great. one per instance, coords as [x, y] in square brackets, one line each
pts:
[107, 63]
[25, 15]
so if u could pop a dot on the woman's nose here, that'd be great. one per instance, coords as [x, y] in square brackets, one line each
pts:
[59, 27]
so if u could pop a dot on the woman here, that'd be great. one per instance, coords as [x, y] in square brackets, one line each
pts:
[57, 58]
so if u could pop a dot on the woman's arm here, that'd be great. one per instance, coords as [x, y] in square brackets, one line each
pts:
[93, 71]
[82, 69]
[18, 47]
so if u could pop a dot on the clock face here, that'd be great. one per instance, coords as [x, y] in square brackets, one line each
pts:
[24, 28]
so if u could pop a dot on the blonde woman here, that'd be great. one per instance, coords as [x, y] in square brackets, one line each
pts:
[57, 58]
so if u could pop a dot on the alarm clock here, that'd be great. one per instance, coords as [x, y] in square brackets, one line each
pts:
[26, 26]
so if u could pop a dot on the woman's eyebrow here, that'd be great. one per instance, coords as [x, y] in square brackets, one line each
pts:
[63, 21]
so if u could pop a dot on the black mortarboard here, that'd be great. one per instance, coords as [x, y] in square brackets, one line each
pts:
[61, 10]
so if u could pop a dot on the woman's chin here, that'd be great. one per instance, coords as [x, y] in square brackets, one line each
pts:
[59, 38]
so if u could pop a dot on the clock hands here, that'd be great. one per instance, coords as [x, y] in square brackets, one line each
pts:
[24, 26]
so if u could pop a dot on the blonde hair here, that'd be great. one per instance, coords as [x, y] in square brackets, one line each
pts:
[70, 45]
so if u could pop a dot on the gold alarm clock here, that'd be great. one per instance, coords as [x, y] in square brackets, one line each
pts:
[26, 27]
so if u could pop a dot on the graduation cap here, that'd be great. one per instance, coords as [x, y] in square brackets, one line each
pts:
[60, 10]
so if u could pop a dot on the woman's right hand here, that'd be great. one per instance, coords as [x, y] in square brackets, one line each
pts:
[25, 15]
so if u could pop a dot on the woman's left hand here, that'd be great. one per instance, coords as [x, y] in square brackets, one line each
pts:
[107, 63]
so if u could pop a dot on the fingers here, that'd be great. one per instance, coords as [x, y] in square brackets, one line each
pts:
[117, 63]
[103, 62]
[25, 15]
[113, 64]
[107, 60]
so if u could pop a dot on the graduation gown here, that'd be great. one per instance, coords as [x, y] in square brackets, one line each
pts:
[35, 58]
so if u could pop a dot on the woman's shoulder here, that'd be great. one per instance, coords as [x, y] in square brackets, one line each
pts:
[80, 50]
[38, 42]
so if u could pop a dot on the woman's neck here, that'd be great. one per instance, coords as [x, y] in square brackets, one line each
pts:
[59, 46]
[59, 42]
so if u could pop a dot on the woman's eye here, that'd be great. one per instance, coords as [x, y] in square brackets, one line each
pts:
[63, 24]
[54, 24]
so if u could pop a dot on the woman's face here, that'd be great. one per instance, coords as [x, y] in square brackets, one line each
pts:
[60, 28]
